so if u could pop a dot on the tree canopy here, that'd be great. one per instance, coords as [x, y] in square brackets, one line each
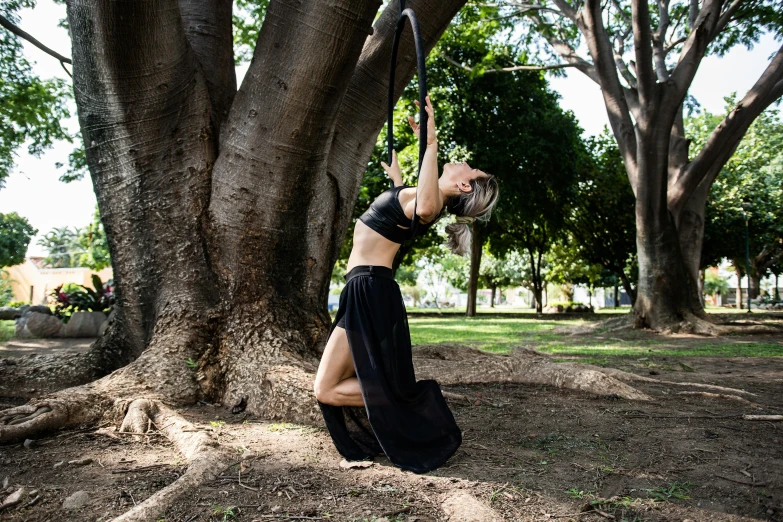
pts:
[15, 234]
[31, 108]
[749, 187]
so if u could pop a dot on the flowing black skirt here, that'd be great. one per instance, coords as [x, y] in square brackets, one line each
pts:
[407, 420]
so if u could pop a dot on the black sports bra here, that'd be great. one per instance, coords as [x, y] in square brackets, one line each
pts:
[386, 212]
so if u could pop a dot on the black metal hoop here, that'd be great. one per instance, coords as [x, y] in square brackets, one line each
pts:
[407, 13]
[420, 59]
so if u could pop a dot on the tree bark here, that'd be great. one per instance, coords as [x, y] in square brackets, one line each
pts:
[492, 299]
[754, 285]
[476, 246]
[739, 286]
[628, 288]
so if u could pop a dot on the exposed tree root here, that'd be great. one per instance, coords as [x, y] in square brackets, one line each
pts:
[33, 375]
[690, 324]
[48, 414]
[523, 366]
[206, 458]
[627, 376]
[721, 396]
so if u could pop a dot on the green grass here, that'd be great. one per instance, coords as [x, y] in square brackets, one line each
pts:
[499, 335]
[639, 348]
[6, 331]
[492, 334]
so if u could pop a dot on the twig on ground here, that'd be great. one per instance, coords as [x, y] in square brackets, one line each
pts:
[140, 468]
[745, 482]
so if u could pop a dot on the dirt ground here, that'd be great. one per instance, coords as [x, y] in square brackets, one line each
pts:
[530, 452]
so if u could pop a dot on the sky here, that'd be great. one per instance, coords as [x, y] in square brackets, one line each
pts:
[33, 189]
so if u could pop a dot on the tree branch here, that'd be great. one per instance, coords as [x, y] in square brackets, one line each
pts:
[642, 35]
[591, 25]
[693, 52]
[568, 53]
[208, 28]
[566, 9]
[727, 135]
[659, 38]
[693, 13]
[5, 22]
[630, 79]
[512, 69]
[725, 18]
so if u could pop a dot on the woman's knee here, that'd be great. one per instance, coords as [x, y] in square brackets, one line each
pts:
[323, 391]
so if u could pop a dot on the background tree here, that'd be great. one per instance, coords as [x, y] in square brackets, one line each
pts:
[750, 186]
[602, 221]
[92, 246]
[60, 244]
[567, 267]
[511, 126]
[15, 234]
[714, 284]
[498, 273]
[644, 61]
[30, 108]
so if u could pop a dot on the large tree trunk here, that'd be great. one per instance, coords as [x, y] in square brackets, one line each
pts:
[738, 292]
[476, 244]
[627, 286]
[754, 285]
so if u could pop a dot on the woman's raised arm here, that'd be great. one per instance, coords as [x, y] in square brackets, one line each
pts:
[429, 197]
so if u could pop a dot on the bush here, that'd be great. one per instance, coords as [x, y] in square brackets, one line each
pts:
[18, 304]
[70, 298]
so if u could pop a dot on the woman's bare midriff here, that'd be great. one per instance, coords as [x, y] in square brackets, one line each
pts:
[371, 248]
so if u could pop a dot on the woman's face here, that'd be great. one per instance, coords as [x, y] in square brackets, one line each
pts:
[460, 175]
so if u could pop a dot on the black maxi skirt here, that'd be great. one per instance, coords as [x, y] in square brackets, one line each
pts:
[407, 420]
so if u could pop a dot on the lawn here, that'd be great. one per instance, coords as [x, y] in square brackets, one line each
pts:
[497, 334]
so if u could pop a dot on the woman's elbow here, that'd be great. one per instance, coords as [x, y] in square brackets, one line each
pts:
[427, 212]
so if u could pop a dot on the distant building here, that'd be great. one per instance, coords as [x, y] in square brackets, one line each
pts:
[31, 281]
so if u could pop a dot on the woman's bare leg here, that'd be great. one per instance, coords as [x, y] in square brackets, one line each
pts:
[335, 381]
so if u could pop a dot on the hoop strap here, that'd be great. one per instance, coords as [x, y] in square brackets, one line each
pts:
[407, 13]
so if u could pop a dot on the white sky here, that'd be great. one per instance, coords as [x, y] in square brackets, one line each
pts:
[34, 190]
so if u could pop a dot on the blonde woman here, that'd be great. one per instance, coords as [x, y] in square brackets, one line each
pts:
[365, 384]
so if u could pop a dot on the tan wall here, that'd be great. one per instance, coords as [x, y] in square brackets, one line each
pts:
[44, 280]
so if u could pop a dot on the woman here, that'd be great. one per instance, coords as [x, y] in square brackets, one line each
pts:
[367, 364]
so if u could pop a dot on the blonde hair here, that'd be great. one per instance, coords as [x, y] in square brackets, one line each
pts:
[469, 206]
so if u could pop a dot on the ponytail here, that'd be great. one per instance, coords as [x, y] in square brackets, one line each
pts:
[459, 235]
[476, 204]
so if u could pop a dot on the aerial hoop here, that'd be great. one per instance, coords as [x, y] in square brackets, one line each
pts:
[407, 13]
